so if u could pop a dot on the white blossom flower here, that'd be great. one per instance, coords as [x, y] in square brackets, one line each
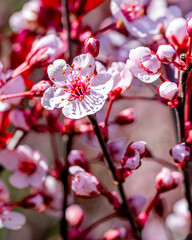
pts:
[77, 89]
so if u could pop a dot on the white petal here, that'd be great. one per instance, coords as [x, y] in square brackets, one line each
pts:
[148, 77]
[56, 72]
[102, 83]
[86, 63]
[13, 220]
[52, 98]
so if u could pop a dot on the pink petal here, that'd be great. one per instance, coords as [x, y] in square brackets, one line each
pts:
[36, 179]
[9, 159]
[19, 180]
[13, 220]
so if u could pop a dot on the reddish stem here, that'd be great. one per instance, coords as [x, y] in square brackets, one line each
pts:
[110, 26]
[162, 79]
[180, 66]
[152, 203]
[108, 110]
[15, 95]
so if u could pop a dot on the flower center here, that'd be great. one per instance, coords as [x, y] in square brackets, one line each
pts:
[132, 10]
[27, 167]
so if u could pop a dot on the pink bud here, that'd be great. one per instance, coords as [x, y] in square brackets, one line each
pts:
[126, 116]
[76, 157]
[168, 90]
[189, 27]
[19, 119]
[138, 146]
[116, 233]
[142, 219]
[132, 160]
[92, 46]
[166, 54]
[167, 180]
[74, 215]
[180, 153]
[84, 184]
[39, 88]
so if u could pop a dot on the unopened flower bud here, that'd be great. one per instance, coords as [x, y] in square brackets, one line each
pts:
[142, 219]
[138, 146]
[74, 215]
[132, 160]
[92, 46]
[167, 180]
[189, 27]
[84, 184]
[180, 153]
[116, 233]
[168, 90]
[125, 117]
[76, 157]
[39, 88]
[166, 54]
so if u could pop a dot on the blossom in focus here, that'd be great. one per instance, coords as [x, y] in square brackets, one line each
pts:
[166, 54]
[131, 161]
[74, 215]
[121, 75]
[78, 90]
[176, 33]
[84, 184]
[29, 167]
[15, 85]
[180, 153]
[168, 90]
[167, 180]
[179, 221]
[144, 64]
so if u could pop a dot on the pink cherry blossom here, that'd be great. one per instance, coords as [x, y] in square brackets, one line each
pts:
[121, 75]
[176, 33]
[77, 90]
[29, 167]
[4, 192]
[168, 90]
[15, 85]
[131, 13]
[180, 152]
[74, 215]
[166, 54]
[84, 184]
[11, 220]
[138, 146]
[144, 64]
[76, 157]
[167, 180]
[179, 221]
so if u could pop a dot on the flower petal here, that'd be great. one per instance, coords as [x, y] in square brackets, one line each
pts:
[52, 98]
[86, 63]
[13, 220]
[9, 159]
[58, 72]
[102, 83]
[19, 180]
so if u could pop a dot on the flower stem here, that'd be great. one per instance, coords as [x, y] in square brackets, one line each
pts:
[111, 100]
[124, 211]
[16, 95]
[110, 26]
[152, 203]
